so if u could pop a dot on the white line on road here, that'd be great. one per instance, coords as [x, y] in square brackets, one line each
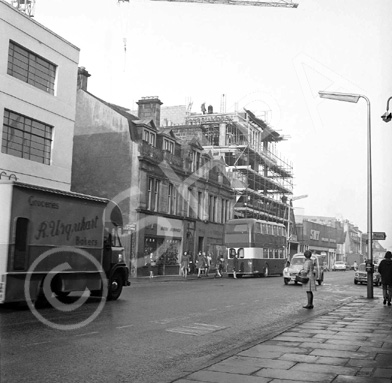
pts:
[88, 333]
[129, 325]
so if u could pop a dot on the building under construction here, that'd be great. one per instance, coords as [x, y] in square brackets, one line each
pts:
[262, 180]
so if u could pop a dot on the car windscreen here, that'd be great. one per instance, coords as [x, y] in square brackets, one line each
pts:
[298, 261]
[362, 267]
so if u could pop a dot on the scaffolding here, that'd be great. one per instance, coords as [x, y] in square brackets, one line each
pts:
[262, 180]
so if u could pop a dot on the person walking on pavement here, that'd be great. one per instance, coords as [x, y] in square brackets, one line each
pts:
[208, 260]
[385, 269]
[355, 265]
[310, 286]
[200, 264]
[184, 264]
[219, 267]
[235, 266]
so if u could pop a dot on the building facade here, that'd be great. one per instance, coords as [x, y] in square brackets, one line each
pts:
[321, 235]
[261, 180]
[38, 72]
[174, 197]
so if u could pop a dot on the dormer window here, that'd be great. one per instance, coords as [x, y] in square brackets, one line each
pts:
[196, 160]
[149, 136]
[168, 145]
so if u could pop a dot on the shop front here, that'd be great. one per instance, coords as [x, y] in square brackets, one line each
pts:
[162, 246]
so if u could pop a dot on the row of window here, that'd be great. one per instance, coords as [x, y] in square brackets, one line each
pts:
[22, 136]
[31, 68]
[216, 213]
[26, 138]
[268, 253]
[150, 137]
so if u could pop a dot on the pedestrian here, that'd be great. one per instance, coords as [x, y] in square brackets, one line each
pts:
[219, 267]
[235, 266]
[308, 271]
[151, 263]
[192, 266]
[385, 269]
[200, 264]
[208, 260]
[184, 264]
[355, 266]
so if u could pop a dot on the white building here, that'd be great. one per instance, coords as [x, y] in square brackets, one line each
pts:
[38, 80]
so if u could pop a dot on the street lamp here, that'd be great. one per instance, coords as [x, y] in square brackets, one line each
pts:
[288, 223]
[349, 97]
[387, 116]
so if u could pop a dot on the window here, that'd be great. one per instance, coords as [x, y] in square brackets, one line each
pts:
[200, 205]
[172, 199]
[153, 194]
[31, 68]
[149, 137]
[168, 145]
[26, 138]
[195, 160]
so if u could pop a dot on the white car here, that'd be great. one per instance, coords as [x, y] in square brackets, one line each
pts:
[339, 265]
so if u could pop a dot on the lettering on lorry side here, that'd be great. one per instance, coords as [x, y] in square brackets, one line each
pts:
[42, 203]
[58, 228]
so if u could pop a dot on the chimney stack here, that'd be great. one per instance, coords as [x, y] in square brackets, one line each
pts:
[83, 76]
[149, 108]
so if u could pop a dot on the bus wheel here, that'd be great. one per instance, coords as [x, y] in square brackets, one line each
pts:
[115, 286]
[266, 272]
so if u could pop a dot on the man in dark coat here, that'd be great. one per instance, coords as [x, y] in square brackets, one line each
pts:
[385, 269]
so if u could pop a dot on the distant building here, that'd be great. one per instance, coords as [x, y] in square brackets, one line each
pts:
[38, 73]
[322, 235]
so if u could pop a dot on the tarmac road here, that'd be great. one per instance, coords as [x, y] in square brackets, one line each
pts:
[159, 329]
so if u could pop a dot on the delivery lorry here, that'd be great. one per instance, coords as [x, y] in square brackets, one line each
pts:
[71, 240]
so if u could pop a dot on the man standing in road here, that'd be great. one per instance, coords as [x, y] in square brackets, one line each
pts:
[385, 269]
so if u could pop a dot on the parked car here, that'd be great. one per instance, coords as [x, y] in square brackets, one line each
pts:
[297, 264]
[360, 275]
[339, 266]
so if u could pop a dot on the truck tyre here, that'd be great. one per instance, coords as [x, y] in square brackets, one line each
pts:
[115, 286]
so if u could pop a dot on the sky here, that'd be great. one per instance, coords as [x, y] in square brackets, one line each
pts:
[272, 61]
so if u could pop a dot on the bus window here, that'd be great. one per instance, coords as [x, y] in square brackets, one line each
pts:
[258, 228]
[269, 229]
[274, 230]
[265, 253]
[264, 228]
[280, 231]
[21, 231]
[241, 253]
[232, 253]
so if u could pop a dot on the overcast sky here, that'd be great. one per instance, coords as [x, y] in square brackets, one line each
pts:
[272, 60]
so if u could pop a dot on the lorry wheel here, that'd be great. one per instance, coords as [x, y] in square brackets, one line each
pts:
[115, 286]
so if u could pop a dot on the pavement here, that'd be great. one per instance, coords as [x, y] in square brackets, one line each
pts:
[352, 343]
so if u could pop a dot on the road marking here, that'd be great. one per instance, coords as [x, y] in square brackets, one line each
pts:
[38, 343]
[88, 333]
[126, 326]
[197, 329]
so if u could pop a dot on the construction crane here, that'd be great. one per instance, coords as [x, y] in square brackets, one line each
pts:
[257, 3]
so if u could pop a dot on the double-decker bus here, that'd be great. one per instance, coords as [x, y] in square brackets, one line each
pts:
[259, 246]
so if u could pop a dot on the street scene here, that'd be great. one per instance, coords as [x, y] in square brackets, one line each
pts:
[163, 329]
[195, 191]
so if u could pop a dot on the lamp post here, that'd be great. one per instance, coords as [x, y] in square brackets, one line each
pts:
[288, 223]
[349, 97]
[387, 116]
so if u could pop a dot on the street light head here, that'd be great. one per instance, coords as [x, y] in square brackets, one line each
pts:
[348, 97]
[387, 116]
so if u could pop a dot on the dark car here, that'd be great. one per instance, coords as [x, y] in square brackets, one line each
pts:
[360, 275]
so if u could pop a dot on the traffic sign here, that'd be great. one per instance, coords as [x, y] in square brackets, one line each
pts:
[378, 236]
